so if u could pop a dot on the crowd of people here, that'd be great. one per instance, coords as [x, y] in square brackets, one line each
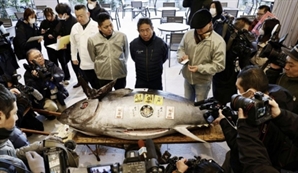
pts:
[211, 54]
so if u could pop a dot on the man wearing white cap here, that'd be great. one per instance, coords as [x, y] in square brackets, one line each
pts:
[205, 52]
[288, 78]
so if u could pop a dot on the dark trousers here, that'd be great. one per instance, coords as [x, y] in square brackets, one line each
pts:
[120, 83]
[53, 55]
[91, 77]
[64, 58]
[153, 84]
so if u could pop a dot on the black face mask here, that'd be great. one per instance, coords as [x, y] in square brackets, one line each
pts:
[4, 133]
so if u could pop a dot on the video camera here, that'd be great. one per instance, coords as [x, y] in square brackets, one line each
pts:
[194, 164]
[58, 156]
[257, 109]
[133, 163]
[273, 51]
[242, 41]
[57, 91]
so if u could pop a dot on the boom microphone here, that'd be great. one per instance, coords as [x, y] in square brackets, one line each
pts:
[152, 164]
[143, 149]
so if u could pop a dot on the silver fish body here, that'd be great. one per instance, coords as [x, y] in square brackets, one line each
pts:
[133, 115]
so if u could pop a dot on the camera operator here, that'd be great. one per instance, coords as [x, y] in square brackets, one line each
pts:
[25, 96]
[253, 79]
[253, 154]
[265, 34]
[9, 154]
[288, 76]
[46, 77]
[223, 83]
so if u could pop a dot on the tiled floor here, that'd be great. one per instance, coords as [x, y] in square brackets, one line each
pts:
[172, 81]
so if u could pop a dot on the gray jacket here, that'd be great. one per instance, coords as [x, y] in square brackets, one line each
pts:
[6, 148]
[109, 55]
[209, 55]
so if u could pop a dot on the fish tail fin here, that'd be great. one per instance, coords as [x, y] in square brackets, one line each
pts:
[183, 130]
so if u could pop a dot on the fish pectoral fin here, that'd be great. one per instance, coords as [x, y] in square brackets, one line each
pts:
[183, 130]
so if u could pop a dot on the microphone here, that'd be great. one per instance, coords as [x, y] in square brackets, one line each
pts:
[152, 164]
[143, 149]
[151, 154]
[36, 94]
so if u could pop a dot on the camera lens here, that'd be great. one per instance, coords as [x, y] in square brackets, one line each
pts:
[239, 101]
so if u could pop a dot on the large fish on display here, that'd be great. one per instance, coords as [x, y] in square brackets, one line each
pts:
[133, 114]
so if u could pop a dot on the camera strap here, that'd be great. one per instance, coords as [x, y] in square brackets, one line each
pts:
[72, 157]
[263, 131]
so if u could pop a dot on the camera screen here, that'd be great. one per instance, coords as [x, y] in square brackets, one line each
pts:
[100, 169]
[54, 163]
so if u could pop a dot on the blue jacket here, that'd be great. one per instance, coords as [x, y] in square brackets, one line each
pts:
[149, 58]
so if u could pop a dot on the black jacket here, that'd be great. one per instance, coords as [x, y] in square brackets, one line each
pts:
[281, 151]
[23, 32]
[195, 5]
[43, 84]
[253, 155]
[94, 12]
[290, 83]
[149, 57]
[49, 26]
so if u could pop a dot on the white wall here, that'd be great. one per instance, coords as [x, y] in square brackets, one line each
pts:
[287, 13]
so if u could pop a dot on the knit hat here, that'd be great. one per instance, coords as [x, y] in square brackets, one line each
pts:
[293, 53]
[200, 19]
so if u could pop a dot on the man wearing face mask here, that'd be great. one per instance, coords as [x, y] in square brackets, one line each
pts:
[94, 9]
[63, 28]
[8, 154]
[282, 152]
[205, 51]
[26, 28]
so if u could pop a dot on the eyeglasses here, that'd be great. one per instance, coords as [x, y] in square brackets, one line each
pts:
[37, 56]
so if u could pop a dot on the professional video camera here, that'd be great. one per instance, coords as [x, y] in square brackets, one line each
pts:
[242, 41]
[58, 156]
[213, 106]
[273, 51]
[25, 90]
[56, 89]
[134, 163]
[257, 109]
[193, 164]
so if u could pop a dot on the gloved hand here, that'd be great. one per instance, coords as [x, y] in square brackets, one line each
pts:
[35, 162]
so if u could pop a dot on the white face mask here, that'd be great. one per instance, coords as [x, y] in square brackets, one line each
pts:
[63, 17]
[91, 6]
[261, 31]
[213, 12]
[31, 20]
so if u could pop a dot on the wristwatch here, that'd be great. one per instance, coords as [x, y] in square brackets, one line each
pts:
[176, 171]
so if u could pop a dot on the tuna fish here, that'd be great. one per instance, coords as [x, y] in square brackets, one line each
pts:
[133, 114]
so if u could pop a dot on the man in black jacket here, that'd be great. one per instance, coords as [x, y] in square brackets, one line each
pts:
[286, 77]
[253, 155]
[46, 77]
[63, 28]
[279, 147]
[94, 9]
[149, 52]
